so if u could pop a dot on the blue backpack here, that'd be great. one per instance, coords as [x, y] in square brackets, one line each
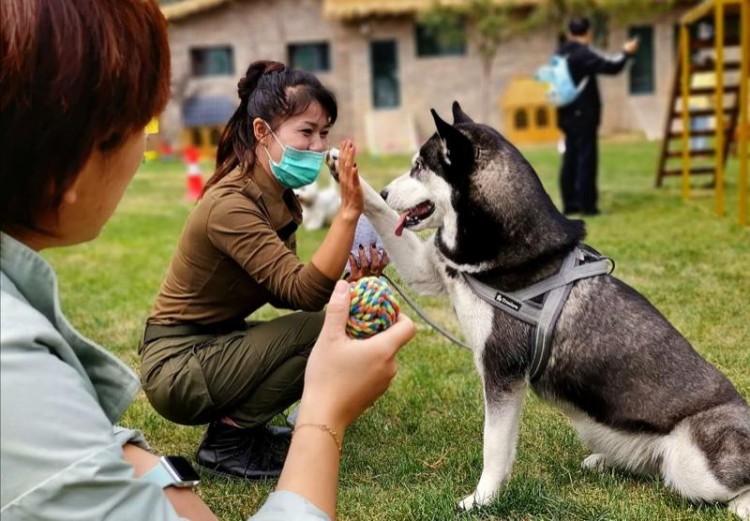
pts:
[561, 88]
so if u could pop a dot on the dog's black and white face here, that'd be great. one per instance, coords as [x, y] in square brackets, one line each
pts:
[474, 188]
[421, 197]
[425, 196]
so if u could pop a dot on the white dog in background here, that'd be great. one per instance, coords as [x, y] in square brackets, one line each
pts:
[319, 205]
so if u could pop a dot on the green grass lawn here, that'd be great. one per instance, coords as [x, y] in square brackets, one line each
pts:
[419, 449]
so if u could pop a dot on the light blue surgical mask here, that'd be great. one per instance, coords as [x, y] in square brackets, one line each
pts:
[297, 167]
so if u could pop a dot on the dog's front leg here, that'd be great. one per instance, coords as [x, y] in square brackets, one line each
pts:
[501, 421]
[410, 255]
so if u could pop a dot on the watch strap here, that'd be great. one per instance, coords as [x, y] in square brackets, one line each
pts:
[160, 475]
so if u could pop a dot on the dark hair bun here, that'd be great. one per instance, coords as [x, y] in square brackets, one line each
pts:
[249, 82]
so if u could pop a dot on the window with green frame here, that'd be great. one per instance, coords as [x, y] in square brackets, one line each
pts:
[313, 57]
[386, 86]
[431, 42]
[212, 61]
[641, 74]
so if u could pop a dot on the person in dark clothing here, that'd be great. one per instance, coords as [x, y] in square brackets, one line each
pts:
[579, 120]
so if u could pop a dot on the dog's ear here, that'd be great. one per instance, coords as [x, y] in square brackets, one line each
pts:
[459, 116]
[458, 149]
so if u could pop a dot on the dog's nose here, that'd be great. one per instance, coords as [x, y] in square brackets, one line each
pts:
[384, 193]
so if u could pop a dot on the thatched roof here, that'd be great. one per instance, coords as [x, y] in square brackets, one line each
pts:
[185, 8]
[334, 9]
[352, 9]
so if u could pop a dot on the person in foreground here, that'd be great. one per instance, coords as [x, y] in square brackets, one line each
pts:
[579, 120]
[202, 362]
[72, 120]
[63, 457]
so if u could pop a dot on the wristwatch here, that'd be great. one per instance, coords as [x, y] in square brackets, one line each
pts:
[173, 471]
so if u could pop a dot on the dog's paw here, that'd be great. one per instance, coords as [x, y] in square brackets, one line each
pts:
[332, 162]
[596, 462]
[740, 506]
[475, 500]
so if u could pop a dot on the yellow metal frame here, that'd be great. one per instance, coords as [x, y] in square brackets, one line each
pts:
[685, 83]
[719, 106]
[699, 12]
[743, 122]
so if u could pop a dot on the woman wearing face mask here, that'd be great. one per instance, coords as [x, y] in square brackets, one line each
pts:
[201, 361]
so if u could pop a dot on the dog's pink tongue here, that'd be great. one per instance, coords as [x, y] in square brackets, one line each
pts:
[401, 222]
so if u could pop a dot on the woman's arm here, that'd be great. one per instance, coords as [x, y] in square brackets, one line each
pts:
[343, 378]
[331, 257]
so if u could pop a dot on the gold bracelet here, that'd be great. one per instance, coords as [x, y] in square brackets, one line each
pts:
[323, 427]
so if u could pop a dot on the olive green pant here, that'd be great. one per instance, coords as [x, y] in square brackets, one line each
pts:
[249, 375]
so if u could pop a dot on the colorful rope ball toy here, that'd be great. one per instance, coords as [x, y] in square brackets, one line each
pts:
[373, 307]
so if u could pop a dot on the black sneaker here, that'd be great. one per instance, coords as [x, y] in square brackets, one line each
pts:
[255, 453]
[279, 432]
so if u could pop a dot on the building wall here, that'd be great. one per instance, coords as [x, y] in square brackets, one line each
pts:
[262, 30]
[435, 82]
[255, 30]
[643, 113]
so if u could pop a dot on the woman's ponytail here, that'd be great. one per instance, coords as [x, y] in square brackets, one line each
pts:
[237, 143]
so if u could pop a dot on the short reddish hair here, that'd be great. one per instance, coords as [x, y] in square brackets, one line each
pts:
[76, 74]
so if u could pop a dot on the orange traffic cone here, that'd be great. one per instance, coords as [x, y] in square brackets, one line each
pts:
[194, 177]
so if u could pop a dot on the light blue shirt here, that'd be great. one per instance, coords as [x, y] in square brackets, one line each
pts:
[60, 395]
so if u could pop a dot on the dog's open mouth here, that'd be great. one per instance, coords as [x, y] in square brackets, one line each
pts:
[414, 215]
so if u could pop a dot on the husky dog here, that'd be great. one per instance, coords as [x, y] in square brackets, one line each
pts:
[640, 397]
[319, 206]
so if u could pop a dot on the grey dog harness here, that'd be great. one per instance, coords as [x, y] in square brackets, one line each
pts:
[581, 263]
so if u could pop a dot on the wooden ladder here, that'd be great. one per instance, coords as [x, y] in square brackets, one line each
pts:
[700, 146]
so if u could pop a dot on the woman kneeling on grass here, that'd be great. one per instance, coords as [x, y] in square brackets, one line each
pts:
[72, 121]
[202, 362]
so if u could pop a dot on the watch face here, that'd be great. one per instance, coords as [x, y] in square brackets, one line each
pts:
[184, 469]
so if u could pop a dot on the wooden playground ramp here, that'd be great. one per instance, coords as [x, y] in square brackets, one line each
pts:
[707, 115]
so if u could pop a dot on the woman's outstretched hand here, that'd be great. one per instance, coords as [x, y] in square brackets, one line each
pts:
[345, 376]
[352, 199]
